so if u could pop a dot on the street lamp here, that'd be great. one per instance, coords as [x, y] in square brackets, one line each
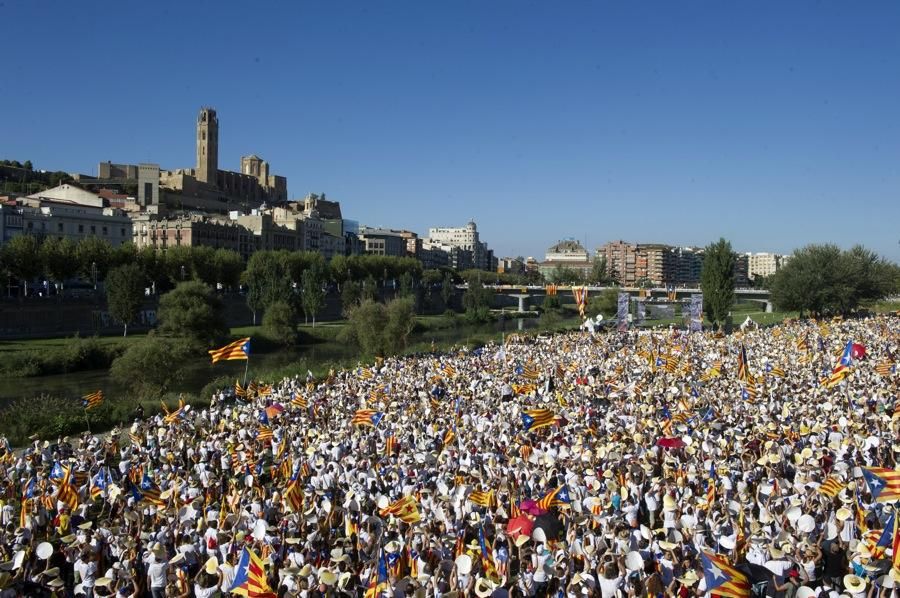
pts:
[182, 273]
[94, 274]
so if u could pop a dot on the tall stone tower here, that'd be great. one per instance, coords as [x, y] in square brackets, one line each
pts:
[207, 146]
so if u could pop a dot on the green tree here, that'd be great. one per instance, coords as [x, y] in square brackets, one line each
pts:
[228, 266]
[822, 279]
[477, 301]
[406, 284]
[280, 323]
[150, 367]
[606, 303]
[401, 319]
[365, 326]
[312, 297]
[717, 281]
[447, 289]
[203, 264]
[381, 329]
[58, 259]
[339, 270]
[126, 253]
[193, 311]
[551, 303]
[179, 263]
[94, 257]
[21, 259]
[369, 289]
[267, 281]
[27, 165]
[565, 276]
[125, 293]
[152, 264]
[351, 295]
[600, 273]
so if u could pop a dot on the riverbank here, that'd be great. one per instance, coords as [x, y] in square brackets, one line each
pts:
[50, 406]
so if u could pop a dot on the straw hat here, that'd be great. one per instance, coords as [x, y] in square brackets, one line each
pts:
[689, 579]
[669, 503]
[484, 587]
[843, 514]
[854, 584]
[103, 582]
[211, 565]
[327, 577]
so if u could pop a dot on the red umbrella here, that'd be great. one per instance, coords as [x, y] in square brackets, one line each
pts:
[857, 351]
[670, 442]
[519, 526]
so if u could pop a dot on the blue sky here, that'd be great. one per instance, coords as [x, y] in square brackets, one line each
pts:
[773, 124]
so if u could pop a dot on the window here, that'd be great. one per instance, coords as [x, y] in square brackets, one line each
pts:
[30, 226]
[59, 227]
[122, 232]
[93, 230]
[105, 232]
[81, 228]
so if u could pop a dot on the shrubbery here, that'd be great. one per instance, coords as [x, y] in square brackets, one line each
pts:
[381, 329]
[51, 417]
[150, 368]
[280, 323]
[76, 355]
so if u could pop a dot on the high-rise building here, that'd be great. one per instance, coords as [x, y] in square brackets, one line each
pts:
[621, 261]
[475, 253]
[655, 263]
[688, 265]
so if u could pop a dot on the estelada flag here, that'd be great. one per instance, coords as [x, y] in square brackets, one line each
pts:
[239, 349]
[250, 577]
[722, 579]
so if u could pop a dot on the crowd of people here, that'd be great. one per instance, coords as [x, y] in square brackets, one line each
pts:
[644, 463]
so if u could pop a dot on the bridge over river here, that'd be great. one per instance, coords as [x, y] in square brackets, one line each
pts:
[524, 297]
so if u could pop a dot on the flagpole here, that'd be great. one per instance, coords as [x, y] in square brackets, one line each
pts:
[246, 367]
[87, 421]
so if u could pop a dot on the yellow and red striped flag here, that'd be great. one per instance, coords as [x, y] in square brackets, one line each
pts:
[533, 419]
[483, 499]
[405, 509]
[294, 496]
[832, 486]
[93, 400]
[884, 483]
[239, 349]
[390, 446]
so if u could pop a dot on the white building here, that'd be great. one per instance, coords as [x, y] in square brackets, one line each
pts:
[763, 264]
[65, 221]
[465, 238]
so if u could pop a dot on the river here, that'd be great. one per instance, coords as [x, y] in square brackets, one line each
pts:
[200, 372]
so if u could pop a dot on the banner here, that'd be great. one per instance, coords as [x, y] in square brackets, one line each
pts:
[641, 312]
[686, 314]
[697, 312]
[622, 312]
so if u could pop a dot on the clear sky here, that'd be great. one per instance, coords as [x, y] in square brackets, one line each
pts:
[773, 124]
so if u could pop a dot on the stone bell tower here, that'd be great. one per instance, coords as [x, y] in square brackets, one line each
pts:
[207, 146]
